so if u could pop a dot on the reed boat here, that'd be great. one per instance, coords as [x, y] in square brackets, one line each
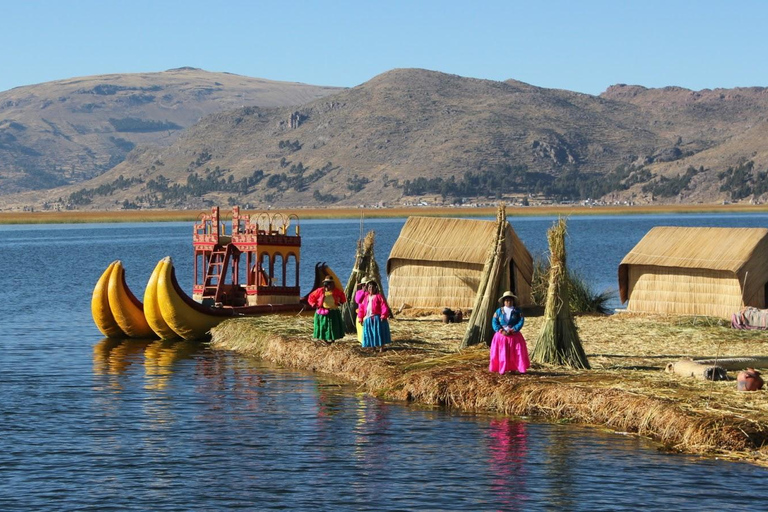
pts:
[251, 269]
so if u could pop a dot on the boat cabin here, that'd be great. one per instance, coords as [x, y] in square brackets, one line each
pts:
[255, 263]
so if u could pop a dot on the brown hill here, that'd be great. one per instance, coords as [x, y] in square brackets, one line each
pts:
[411, 132]
[716, 130]
[69, 131]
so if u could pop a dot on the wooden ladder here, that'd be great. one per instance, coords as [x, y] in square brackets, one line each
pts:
[216, 273]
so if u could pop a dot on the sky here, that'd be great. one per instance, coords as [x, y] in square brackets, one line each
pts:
[579, 45]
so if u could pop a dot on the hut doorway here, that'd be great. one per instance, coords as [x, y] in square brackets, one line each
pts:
[765, 295]
[513, 280]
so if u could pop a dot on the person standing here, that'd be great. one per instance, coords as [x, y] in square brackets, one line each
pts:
[328, 325]
[373, 313]
[358, 321]
[508, 350]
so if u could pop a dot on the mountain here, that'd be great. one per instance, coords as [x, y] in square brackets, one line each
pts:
[69, 131]
[411, 132]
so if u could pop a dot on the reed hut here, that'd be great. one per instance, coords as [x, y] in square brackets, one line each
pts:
[696, 271]
[438, 262]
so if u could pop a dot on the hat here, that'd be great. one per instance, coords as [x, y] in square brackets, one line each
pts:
[507, 294]
[364, 280]
[328, 279]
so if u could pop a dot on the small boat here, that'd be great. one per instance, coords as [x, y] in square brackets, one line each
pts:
[242, 272]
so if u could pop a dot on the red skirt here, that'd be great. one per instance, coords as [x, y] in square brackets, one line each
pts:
[509, 353]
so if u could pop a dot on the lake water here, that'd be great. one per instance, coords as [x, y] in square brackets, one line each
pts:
[94, 424]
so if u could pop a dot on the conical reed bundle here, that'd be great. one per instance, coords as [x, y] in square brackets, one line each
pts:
[558, 342]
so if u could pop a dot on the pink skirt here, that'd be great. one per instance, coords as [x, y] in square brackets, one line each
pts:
[508, 354]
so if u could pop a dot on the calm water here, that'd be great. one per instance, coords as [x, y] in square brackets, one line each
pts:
[94, 424]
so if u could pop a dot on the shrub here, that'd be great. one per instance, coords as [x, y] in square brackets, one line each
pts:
[582, 298]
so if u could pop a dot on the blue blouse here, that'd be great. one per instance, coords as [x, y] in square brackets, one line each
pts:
[515, 322]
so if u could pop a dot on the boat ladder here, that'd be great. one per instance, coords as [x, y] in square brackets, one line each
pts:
[217, 272]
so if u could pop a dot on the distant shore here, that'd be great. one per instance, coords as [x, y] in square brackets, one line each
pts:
[97, 216]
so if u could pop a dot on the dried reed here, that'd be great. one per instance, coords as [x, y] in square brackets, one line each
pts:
[558, 342]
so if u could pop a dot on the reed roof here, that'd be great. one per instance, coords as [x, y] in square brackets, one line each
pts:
[437, 239]
[740, 251]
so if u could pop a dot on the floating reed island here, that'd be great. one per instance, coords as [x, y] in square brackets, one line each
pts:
[626, 390]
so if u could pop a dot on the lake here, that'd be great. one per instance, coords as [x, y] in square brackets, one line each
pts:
[94, 424]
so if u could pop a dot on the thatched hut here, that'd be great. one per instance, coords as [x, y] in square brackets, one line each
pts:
[438, 262]
[696, 271]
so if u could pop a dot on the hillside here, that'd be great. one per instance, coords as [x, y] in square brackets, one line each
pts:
[409, 133]
[69, 131]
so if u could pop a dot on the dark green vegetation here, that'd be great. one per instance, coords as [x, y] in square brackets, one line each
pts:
[132, 124]
[581, 297]
[743, 181]
[571, 185]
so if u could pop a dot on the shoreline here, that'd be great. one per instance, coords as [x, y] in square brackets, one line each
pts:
[624, 393]
[109, 216]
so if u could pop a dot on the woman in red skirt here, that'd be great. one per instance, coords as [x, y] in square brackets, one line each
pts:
[508, 350]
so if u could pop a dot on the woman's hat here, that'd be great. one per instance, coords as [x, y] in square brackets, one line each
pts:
[507, 294]
[364, 280]
[328, 279]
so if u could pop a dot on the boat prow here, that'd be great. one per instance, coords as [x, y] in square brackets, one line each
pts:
[127, 310]
[152, 310]
[100, 310]
[188, 319]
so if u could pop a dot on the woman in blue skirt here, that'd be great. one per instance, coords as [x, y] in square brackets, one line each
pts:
[373, 313]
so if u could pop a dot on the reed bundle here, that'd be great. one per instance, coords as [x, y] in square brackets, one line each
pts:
[365, 266]
[558, 342]
[479, 327]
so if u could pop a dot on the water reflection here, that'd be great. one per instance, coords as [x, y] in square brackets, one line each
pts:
[160, 357]
[370, 431]
[508, 461]
[114, 357]
[561, 461]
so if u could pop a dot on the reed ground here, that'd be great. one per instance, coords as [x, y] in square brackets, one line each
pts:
[627, 389]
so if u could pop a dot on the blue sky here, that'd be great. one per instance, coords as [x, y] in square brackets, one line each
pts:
[582, 46]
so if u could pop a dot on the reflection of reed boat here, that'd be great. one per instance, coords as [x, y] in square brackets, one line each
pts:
[243, 273]
[113, 356]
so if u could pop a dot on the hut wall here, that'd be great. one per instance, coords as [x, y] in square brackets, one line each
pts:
[678, 291]
[425, 284]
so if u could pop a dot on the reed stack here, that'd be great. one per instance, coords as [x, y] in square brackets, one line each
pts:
[558, 342]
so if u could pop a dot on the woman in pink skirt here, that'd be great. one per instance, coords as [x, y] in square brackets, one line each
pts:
[508, 350]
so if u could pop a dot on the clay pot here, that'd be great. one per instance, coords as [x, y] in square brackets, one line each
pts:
[749, 380]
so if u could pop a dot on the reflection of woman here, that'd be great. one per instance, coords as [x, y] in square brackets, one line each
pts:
[373, 312]
[508, 350]
[328, 325]
[508, 462]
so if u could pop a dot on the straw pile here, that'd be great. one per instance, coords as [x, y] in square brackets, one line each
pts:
[479, 328]
[558, 342]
